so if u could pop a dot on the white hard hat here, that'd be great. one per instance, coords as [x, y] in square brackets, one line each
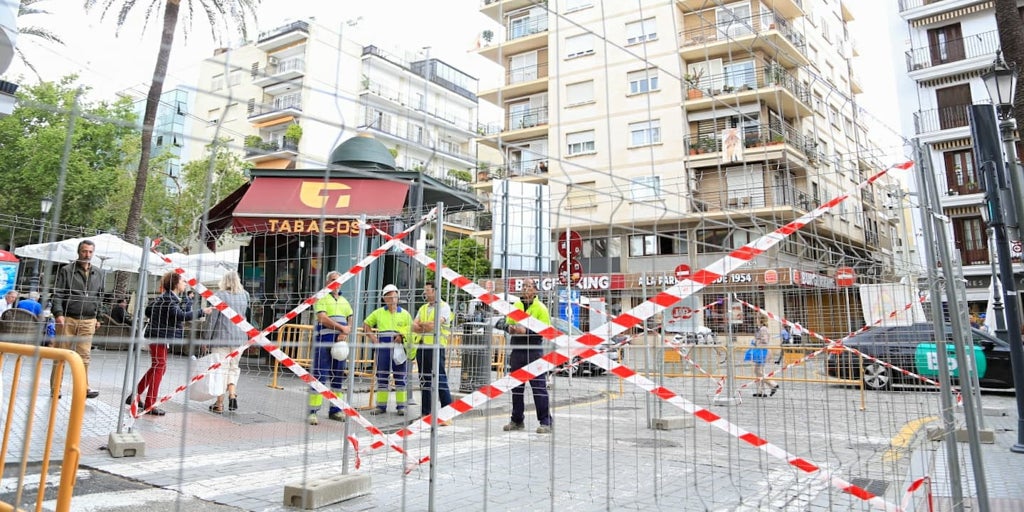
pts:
[339, 351]
[388, 289]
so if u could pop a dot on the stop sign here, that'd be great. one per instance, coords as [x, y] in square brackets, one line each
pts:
[570, 246]
[572, 268]
[682, 272]
[845, 276]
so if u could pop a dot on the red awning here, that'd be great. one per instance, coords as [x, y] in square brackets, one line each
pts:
[311, 206]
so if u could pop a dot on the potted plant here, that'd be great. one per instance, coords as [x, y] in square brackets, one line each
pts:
[707, 145]
[460, 175]
[778, 138]
[487, 36]
[693, 84]
[253, 141]
[292, 134]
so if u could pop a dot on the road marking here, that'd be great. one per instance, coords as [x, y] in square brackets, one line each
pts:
[898, 444]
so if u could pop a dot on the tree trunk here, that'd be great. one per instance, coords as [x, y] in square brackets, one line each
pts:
[156, 88]
[1011, 40]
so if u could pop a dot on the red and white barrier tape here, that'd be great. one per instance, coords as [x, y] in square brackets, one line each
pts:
[924, 481]
[630, 319]
[259, 337]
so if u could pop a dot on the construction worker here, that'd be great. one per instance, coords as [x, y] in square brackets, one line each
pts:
[423, 326]
[389, 327]
[527, 346]
[333, 323]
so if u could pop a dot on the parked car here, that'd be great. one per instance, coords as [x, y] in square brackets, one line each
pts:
[913, 348]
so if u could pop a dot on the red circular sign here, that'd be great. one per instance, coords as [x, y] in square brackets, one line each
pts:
[571, 249]
[771, 276]
[572, 268]
[682, 272]
[845, 276]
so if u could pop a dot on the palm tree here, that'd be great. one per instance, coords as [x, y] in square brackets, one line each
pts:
[224, 17]
[28, 8]
[1011, 40]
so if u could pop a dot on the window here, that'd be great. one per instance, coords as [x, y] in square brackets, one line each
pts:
[646, 187]
[738, 74]
[602, 247]
[578, 46]
[582, 195]
[946, 44]
[580, 143]
[645, 80]
[575, 5]
[643, 245]
[640, 31]
[236, 78]
[522, 67]
[579, 93]
[645, 133]
[217, 83]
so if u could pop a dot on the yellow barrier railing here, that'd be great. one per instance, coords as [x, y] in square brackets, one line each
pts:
[13, 422]
[297, 342]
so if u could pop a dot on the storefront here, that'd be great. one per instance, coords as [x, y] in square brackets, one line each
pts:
[304, 223]
[813, 300]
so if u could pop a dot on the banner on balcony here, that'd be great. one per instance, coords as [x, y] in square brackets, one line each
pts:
[732, 146]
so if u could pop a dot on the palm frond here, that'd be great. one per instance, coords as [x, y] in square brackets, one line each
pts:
[41, 33]
[25, 61]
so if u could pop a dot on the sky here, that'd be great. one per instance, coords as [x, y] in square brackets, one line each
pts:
[115, 64]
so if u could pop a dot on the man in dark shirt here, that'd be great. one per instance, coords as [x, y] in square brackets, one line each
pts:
[76, 302]
[119, 311]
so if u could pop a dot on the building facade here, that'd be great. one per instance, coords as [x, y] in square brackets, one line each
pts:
[170, 133]
[692, 128]
[947, 46]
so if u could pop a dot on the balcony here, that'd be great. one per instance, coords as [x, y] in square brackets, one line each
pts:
[711, 197]
[283, 106]
[918, 9]
[759, 143]
[282, 36]
[773, 36]
[393, 97]
[770, 84]
[263, 151]
[522, 35]
[519, 125]
[977, 256]
[945, 118]
[496, 9]
[980, 47]
[787, 8]
[283, 71]
[520, 82]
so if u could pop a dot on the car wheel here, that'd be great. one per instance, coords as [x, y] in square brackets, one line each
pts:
[877, 377]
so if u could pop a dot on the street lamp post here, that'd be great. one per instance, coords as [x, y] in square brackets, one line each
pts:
[1001, 81]
[44, 206]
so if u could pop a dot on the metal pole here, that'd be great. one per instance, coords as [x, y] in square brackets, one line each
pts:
[354, 340]
[134, 342]
[928, 199]
[997, 288]
[729, 396]
[36, 277]
[435, 361]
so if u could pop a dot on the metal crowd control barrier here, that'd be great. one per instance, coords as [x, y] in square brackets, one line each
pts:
[296, 341]
[23, 408]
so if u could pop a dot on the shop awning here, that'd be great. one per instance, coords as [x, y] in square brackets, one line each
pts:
[305, 205]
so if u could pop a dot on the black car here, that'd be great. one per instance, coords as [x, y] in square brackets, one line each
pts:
[912, 348]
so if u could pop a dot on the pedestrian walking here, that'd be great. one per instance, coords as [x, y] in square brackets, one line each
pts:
[527, 347]
[225, 336]
[423, 327]
[167, 314]
[77, 293]
[333, 324]
[389, 327]
[785, 338]
[758, 354]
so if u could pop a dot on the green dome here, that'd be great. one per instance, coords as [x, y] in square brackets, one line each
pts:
[363, 152]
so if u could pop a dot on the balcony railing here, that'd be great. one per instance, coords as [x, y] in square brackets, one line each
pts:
[526, 73]
[528, 167]
[291, 101]
[526, 118]
[295, 25]
[969, 47]
[906, 5]
[396, 96]
[974, 256]
[753, 137]
[285, 66]
[769, 196]
[944, 118]
[267, 147]
[522, 27]
[735, 27]
[732, 82]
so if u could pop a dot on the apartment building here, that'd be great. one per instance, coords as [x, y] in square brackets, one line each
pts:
[693, 127]
[170, 134]
[947, 45]
[421, 108]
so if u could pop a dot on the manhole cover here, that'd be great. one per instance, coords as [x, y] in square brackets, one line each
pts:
[876, 487]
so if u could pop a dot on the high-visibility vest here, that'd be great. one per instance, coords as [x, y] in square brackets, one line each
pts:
[426, 314]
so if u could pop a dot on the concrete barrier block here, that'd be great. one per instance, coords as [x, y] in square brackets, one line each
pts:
[985, 436]
[327, 491]
[672, 422]
[126, 444]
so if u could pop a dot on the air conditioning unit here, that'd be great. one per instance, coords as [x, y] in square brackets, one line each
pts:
[272, 61]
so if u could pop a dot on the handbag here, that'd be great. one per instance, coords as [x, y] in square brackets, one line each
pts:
[214, 384]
